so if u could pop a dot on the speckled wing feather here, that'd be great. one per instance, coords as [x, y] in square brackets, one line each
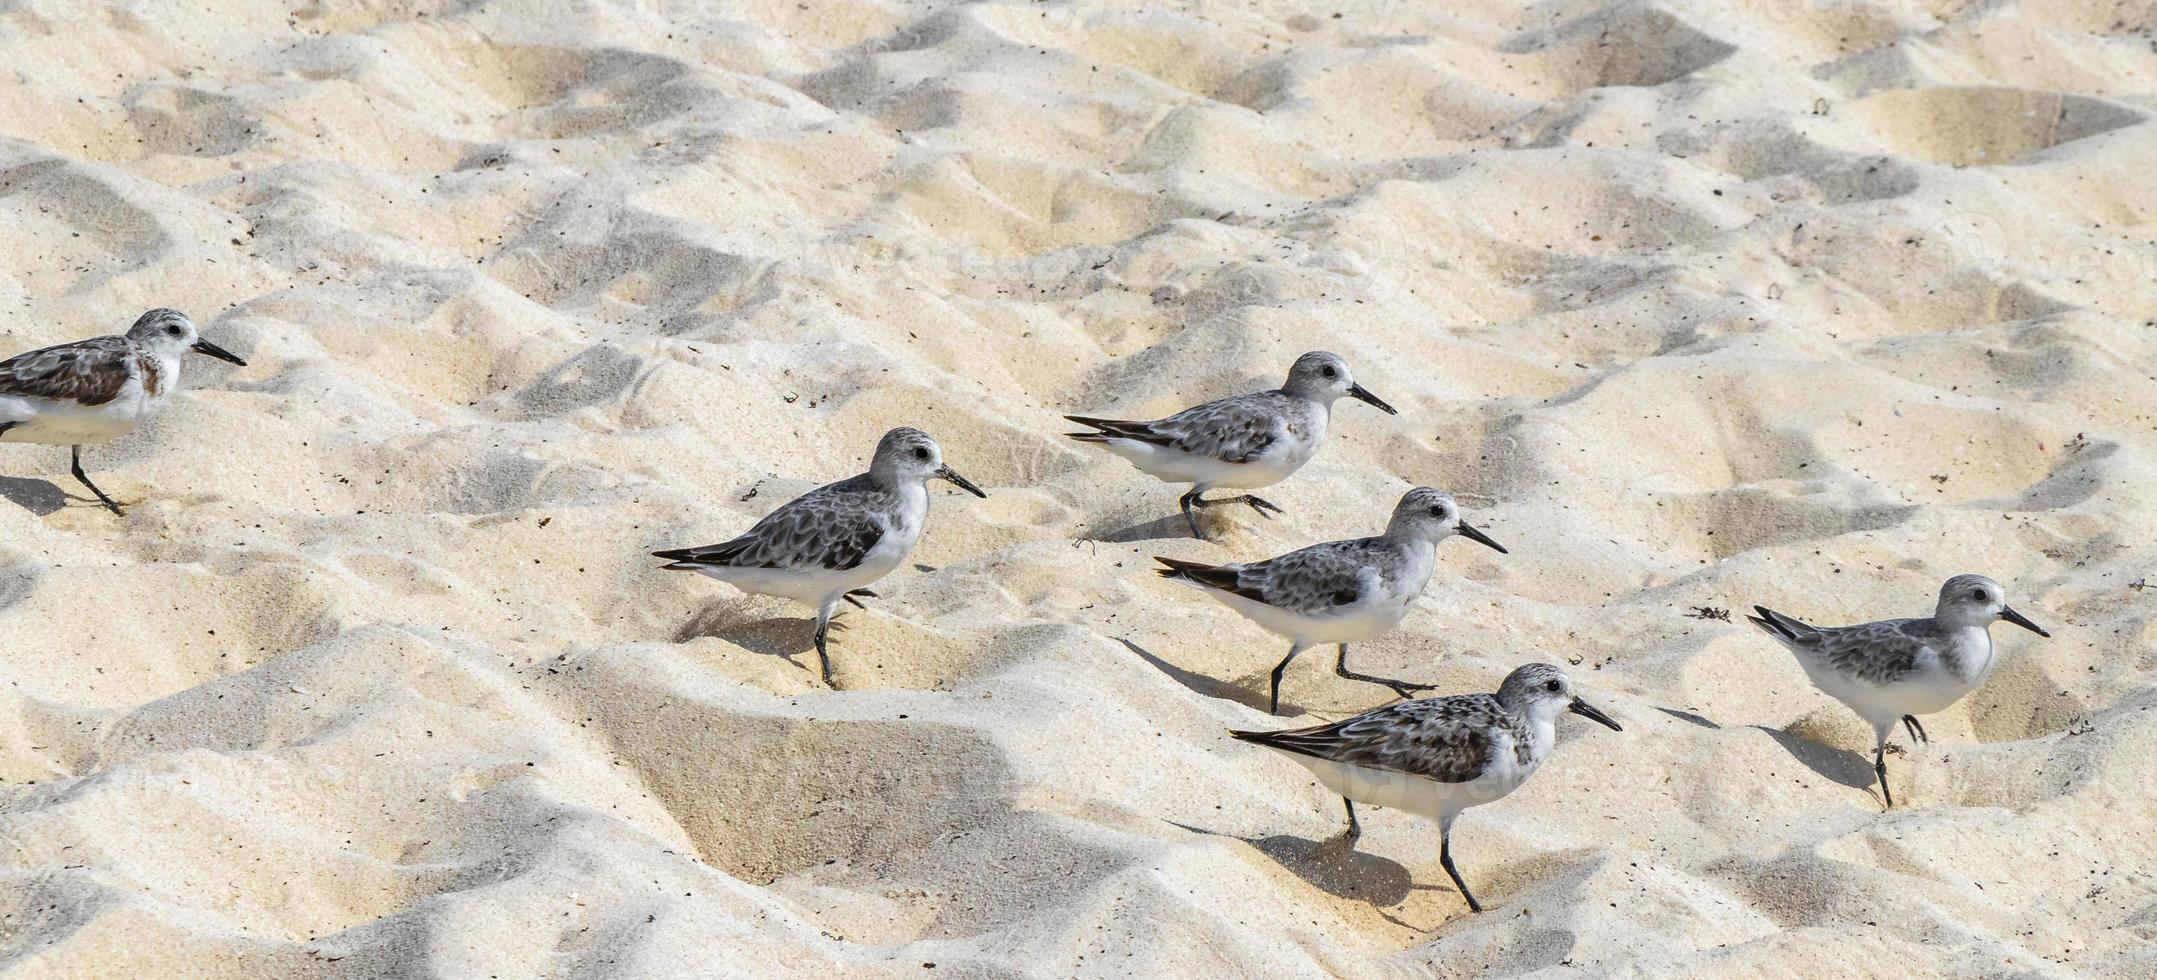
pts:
[1310, 581]
[833, 526]
[1450, 740]
[91, 372]
[1235, 429]
[1876, 653]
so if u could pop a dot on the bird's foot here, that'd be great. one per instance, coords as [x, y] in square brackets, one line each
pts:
[1257, 503]
[1403, 688]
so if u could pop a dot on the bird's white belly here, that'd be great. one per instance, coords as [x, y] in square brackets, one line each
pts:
[66, 423]
[1921, 694]
[1355, 623]
[813, 587]
[1426, 798]
[1174, 466]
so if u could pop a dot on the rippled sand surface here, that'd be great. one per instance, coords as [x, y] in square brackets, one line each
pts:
[1693, 304]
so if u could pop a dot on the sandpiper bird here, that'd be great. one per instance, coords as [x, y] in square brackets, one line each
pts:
[93, 391]
[1902, 668]
[1340, 591]
[1242, 442]
[830, 543]
[1437, 757]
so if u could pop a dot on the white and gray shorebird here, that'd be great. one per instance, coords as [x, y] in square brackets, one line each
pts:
[830, 543]
[1242, 442]
[94, 391]
[1437, 757]
[1902, 668]
[1339, 592]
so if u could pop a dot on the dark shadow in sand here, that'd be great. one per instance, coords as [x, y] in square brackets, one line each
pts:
[1349, 874]
[1202, 684]
[36, 496]
[1171, 526]
[1688, 716]
[1841, 765]
[785, 637]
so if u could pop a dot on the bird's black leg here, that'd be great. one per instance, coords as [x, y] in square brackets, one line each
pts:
[823, 655]
[1445, 858]
[1879, 767]
[1917, 730]
[1273, 704]
[1259, 504]
[85, 479]
[1188, 517]
[1355, 829]
[1402, 688]
[850, 597]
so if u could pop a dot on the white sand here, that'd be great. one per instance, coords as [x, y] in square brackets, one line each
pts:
[1801, 302]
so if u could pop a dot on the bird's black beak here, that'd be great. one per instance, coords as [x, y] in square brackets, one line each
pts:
[2009, 614]
[1479, 537]
[1356, 392]
[1588, 711]
[947, 473]
[205, 347]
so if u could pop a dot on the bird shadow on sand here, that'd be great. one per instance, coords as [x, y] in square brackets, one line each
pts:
[785, 637]
[1332, 868]
[1841, 765]
[36, 496]
[1171, 526]
[1204, 685]
[1689, 718]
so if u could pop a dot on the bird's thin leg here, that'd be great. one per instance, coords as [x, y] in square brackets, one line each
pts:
[1273, 704]
[1188, 517]
[1917, 729]
[1355, 828]
[85, 480]
[1402, 688]
[823, 654]
[1879, 768]
[1258, 503]
[1445, 859]
[850, 597]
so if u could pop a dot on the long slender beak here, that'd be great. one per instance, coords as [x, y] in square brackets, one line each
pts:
[1356, 392]
[1479, 537]
[2019, 619]
[205, 347]
[947, 473]
[1589, 711]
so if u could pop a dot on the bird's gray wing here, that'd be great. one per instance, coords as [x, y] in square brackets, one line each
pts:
[1234, 430]
[832, 527]
[1876, 653]
[1316, 579]
[1237, 429]
[91, 372]
[1450, 740]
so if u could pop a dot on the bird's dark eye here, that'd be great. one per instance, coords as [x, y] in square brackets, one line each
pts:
[1329, 372]
[175, 331]
[1978, 595]
[1438, 512]
[1551, 686]
[921, 452]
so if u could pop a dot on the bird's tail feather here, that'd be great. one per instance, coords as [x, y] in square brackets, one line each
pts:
[1199, 572]
[697, 559]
